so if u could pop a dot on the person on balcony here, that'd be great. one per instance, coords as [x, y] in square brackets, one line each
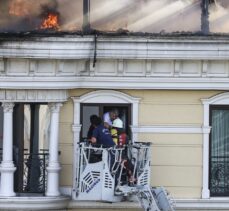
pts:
[109, 117]
[101, 135]
[118, 133]
[92, 127]
[120, 138]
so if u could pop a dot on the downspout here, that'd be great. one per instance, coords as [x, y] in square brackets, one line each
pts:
[86, 16]
[205, 17]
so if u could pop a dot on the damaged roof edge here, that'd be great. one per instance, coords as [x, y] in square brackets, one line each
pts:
[31, 35]
[127, 47]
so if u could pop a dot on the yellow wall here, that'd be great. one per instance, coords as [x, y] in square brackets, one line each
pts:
[66, 143]
[176, 158]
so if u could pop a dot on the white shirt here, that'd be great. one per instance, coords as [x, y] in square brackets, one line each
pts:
[107, 119]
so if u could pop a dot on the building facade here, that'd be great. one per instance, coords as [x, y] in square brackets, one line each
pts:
[170, 89]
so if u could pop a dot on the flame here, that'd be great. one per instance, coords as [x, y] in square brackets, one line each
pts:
[51, 22]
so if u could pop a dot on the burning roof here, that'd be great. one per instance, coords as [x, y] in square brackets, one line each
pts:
[147, 16]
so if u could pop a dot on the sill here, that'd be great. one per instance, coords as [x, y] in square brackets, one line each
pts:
[32, 202]
[203, 204]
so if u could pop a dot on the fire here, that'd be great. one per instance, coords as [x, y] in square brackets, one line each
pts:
[51, 22]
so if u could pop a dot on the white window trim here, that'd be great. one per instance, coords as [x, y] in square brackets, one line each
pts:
[101, 96]
[221, 99]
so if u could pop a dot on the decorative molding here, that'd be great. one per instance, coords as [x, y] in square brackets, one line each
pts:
[120, 67]
[45, 83]
[220, 99]
[8, 107]
[105, 96]
[115, 67]
[55, 107]
[33, 95]
[148, 68]
[177, 68]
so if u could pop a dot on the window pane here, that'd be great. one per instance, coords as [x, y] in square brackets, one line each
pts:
[219, 16]
[29, 15]
[220, 133]
[146, 15]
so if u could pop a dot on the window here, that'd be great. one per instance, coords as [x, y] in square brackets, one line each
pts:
[219, 151]
[99, 109]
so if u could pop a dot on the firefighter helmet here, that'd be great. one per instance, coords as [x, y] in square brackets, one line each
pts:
[117, 123]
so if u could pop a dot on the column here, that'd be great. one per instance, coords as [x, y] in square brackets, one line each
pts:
[205, 189]
[53, 168]
[206, 132]
[7, 167]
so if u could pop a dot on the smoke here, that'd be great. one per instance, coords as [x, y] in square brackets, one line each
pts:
[110, 15]
[219, 16]
[146, 15]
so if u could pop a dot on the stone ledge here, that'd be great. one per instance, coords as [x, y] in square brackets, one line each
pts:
[203, 204]
[33, 203]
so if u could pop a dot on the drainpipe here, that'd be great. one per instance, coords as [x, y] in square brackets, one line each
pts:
[205, 17]
[86, 15]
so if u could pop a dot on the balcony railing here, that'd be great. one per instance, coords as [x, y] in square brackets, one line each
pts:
[219, 176]
[34, 172]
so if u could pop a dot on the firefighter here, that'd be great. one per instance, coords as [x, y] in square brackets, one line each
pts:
[117, 132]
[120, 139]
[101, 135]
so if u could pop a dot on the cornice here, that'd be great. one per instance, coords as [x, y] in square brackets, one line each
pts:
[114, 83]
[116, 48]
